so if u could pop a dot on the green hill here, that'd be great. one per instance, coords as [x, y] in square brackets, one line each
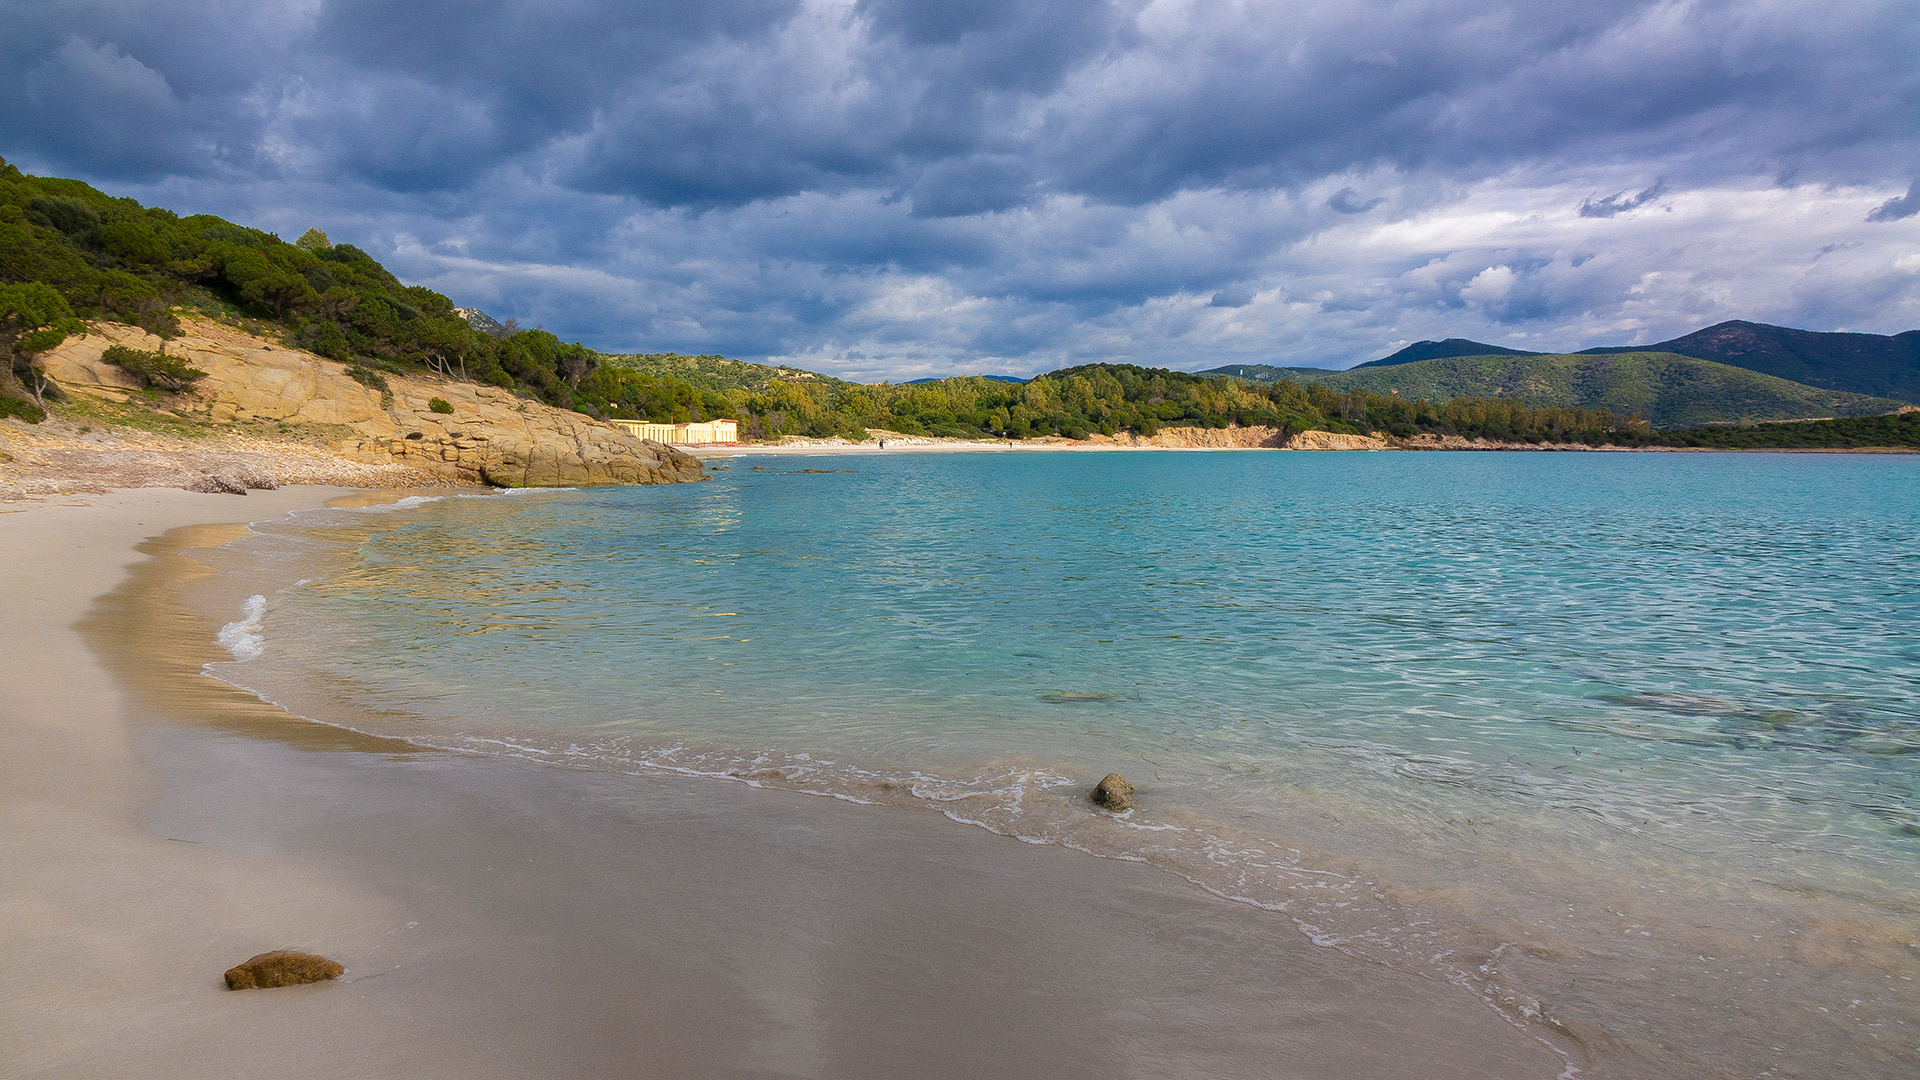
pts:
[69, 252]
[1270, 373]
[1412, 354]
[1874, 364]
[1668, 390]
[717, 373]
[1444, 350]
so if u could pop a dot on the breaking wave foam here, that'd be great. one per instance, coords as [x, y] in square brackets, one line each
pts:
[245, 637]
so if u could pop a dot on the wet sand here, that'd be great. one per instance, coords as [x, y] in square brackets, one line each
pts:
[502, 918]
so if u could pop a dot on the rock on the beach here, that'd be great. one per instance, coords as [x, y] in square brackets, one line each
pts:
[1113, 792]
[255, 478]
[233, 480]
[281, 968]
[214, 484]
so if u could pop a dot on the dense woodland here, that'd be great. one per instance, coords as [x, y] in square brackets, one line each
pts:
[70, 253]
[1114, 398]
[1899, 431]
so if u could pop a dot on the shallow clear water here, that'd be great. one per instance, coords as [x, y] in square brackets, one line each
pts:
[1530, 722]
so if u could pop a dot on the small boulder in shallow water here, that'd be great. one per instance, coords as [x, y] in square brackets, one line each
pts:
[281, 968]
[1113, 792]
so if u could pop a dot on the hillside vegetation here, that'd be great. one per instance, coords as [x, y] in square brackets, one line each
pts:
[1899, 431]
[716, 373]
[93, 256]
[1669, 391]
[1873, 364]
[1270, 373]
[1113, 398]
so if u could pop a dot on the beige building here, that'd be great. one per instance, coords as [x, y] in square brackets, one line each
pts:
[707, 431]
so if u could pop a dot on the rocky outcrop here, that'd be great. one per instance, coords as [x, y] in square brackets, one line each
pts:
[1197, 438]
[1334, 440]
[1431, 441]
[1256, 437]
[281, 968]
[1113, 792]
[490, 437]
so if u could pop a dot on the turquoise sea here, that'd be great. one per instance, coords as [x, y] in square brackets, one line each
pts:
[1626, 743]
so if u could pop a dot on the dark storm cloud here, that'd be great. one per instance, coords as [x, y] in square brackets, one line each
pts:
[1347, 201]
[1031, 178]
[127, 90]
[972, 186]
[1620, 202]
[720, 103]
[973, 45]
[526, 73]
[1898, 207]
[917, 103]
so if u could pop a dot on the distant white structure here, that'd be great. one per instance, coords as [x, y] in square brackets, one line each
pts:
[707, 431]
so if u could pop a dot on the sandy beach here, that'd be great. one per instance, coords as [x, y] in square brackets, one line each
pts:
[500, 918]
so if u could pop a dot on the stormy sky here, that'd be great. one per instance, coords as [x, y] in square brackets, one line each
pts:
[893, 188]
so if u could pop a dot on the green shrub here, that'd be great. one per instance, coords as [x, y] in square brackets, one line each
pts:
[372, 379]
[153, 368]
[440, 405]
[69, 215]
[20, 407]
[328, 340]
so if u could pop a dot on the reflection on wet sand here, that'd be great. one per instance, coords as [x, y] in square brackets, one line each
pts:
[155, 639]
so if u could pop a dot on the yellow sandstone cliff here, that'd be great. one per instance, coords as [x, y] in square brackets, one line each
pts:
[491, 436]
[1247, 438]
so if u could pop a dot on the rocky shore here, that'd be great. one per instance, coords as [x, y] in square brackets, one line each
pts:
[61, 457]
[1180, 438]
[303, 419]
[1233, 437]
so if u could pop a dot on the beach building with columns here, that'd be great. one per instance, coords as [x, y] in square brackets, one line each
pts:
[706, 431]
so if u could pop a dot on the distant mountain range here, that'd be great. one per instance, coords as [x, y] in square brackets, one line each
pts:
[1875, 364]
[1735, 372]
[944, 378]
[1731, 372]
[1669, 390]
[1447, 350]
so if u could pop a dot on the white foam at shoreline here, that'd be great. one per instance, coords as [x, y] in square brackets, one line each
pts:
[407, 503]
[244, 637]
